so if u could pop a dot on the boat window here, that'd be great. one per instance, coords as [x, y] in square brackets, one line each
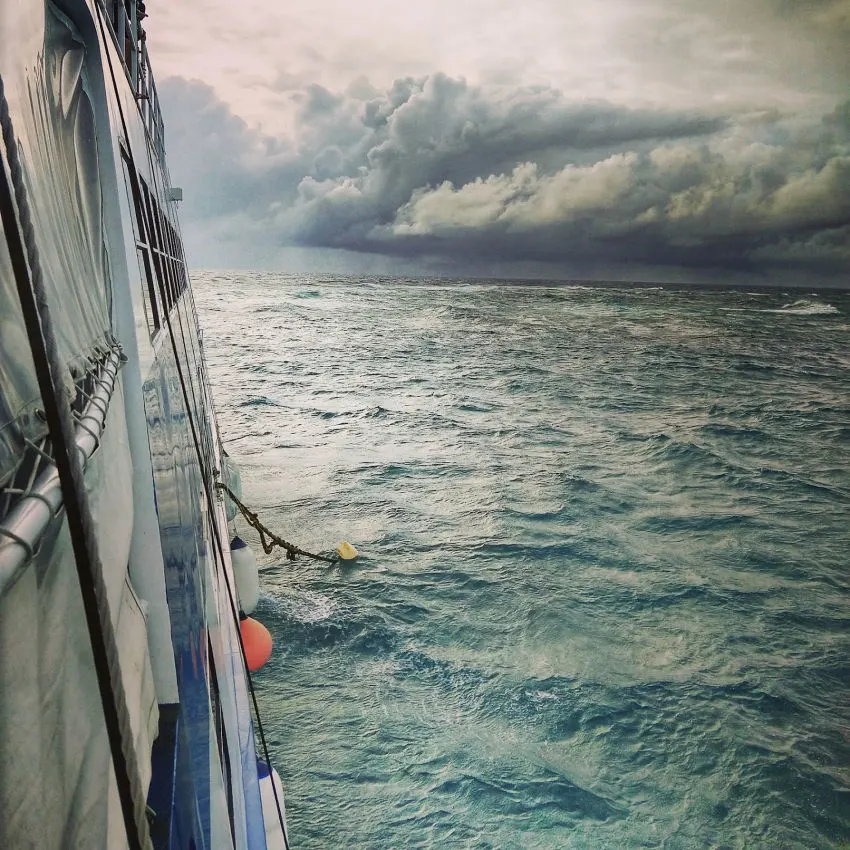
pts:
[151, 306]
[159, 251]
[149, 290]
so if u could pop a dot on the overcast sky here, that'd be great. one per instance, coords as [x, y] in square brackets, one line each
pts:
[660, 139]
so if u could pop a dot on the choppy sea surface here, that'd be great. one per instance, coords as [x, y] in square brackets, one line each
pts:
[603, 598]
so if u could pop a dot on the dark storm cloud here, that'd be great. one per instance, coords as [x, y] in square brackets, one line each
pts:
[438, 167]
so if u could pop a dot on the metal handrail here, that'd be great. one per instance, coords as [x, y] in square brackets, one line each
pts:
[26, 523]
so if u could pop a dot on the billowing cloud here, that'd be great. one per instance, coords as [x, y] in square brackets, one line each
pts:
[438, 167]
[724, 201]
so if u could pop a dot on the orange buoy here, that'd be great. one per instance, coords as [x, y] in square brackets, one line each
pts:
[257, 642]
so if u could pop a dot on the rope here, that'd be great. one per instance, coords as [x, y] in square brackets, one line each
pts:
[26, 266]
[254, 521]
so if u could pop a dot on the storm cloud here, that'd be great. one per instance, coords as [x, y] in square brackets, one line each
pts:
[436, 167]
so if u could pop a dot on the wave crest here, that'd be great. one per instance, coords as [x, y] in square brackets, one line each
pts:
[806, 307]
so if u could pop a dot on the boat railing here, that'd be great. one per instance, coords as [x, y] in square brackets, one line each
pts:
[149, 102]
[34, 495]
[125, 20]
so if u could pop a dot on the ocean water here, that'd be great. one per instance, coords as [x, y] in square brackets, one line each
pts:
[604, 592]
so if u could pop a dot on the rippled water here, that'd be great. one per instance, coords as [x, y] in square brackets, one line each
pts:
[604, 597]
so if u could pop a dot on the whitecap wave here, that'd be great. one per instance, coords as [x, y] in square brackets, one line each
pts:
[805, 307]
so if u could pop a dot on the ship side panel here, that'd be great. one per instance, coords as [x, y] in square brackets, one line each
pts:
[164, 556]
[231, 712]
[216, 738]
[152, 480]
[131, 327]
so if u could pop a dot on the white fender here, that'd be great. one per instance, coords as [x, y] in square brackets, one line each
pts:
[246, 574]
[274, 833]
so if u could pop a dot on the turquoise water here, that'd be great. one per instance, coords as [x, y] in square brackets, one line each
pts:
[604, 598]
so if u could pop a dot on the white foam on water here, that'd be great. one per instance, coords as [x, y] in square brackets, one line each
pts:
[306, 606]
[805, 307]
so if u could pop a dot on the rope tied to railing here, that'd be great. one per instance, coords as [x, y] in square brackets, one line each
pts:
[268, 539]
